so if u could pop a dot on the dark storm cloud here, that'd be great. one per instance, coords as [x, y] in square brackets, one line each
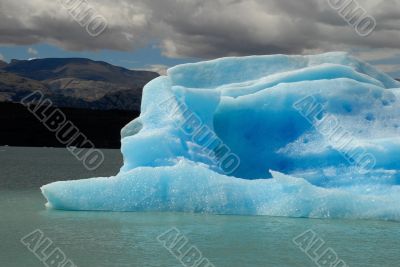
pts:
[202, 28]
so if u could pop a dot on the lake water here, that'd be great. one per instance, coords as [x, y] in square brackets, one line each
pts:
[130, 239]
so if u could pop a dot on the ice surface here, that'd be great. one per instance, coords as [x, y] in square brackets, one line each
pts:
[301, 136]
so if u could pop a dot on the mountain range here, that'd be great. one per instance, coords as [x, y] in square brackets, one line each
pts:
[97, 97]
[74, 83]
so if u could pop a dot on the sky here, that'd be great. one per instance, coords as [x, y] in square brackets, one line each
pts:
[156, 34]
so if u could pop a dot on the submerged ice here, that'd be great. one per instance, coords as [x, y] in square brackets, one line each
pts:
[301, 136]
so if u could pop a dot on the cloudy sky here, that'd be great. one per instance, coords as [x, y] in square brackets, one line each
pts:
[152, 34]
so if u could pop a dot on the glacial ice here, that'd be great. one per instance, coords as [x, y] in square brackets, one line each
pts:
[300, 136]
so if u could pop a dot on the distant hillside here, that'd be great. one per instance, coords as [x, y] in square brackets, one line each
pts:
[74, 82]
[2, 64]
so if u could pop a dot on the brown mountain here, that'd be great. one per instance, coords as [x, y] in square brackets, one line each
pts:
[74, 82]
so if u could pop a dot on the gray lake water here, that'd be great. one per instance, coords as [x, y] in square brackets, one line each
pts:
[130, 239]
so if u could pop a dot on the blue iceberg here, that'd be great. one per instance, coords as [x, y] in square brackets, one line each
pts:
[301, 136]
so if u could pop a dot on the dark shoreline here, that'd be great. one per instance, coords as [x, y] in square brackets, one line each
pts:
[20, 128]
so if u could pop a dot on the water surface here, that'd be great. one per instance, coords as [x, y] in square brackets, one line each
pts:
[130, 239]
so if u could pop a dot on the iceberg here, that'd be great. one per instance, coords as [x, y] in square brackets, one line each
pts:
[302, 136]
